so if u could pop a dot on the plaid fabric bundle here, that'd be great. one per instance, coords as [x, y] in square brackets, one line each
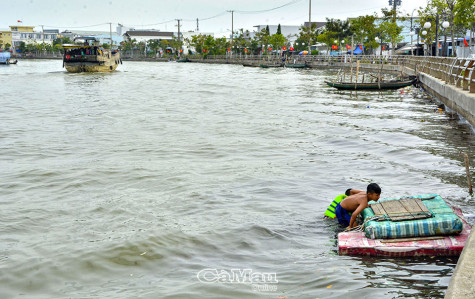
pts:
[444, 222]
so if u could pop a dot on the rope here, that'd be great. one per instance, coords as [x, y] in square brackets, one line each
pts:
[361, 227]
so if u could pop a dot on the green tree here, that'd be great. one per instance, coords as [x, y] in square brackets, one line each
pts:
[22, 47]
[277, 40]
[308, 34]
[198, 42]
[279, 30]
[388, 29]
[364, 26]
[154, 45]
[62, 40]
[262, 38]
[240, 41]
[465, 16]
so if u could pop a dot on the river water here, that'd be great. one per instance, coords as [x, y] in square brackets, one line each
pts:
[131, 184]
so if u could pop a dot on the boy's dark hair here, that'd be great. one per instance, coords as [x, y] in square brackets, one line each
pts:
[373, 188]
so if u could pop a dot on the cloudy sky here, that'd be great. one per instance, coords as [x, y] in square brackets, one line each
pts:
[213, 15]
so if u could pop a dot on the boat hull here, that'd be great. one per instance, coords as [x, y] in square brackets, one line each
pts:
[297, 66]
[266, 66]
[79, 67]
[370, 86]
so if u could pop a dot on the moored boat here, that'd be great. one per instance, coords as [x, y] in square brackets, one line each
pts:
[90, 58]
[380, 85]
[262, 65]
[298, 65]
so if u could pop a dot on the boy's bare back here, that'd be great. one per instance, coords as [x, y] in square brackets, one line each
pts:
[352, 202]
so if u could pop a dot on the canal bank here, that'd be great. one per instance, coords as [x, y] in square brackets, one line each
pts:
[461, 285]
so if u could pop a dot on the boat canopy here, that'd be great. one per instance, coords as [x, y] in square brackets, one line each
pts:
[71, 46]
[4, 56]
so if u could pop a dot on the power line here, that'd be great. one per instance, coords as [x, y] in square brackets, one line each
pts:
[76, 27]
[267, 10]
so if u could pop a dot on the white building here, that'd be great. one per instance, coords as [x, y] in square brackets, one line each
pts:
[147, 35]
[27, 35]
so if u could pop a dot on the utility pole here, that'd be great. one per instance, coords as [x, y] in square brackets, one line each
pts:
[232, 30]
[309, 13]
[197, 25]
[394, 3]
[110, 28]
[179, 38]
[43, 35]
[437, 35]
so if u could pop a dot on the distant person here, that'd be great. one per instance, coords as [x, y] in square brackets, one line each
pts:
[349, 208]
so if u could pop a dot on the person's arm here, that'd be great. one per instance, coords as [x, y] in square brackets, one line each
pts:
[355, 214]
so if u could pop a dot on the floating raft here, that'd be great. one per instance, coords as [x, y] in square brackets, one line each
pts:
[430, 229]
[415, 216]
[356, 243]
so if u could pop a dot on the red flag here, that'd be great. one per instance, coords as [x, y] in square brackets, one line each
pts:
[270, 49]
[334, 47]
[465, 42]
[440, 47]
[284, 48]
[360, 47]
[348, 47]
[19, 21]
[384, 47]
[291, 49]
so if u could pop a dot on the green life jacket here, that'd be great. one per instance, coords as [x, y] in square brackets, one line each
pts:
[330, 212]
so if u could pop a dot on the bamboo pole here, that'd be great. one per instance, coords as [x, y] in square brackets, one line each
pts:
[467, 170]
[357, 70]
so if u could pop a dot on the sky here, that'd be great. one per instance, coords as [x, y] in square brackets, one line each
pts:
[214, 16]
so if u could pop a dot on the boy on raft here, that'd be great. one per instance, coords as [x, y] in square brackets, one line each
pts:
[349, 208]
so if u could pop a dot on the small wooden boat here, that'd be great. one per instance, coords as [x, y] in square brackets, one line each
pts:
[380, 85]
[183, 60]
[270, 65]
[299, 66]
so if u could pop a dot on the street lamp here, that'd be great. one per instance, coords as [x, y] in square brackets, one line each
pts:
[427, 25]
[445, 25]
[380, 40]
[424, 33]
[412, 33]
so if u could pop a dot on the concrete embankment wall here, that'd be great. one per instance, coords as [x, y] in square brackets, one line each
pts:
[462, 283]
[455, 98]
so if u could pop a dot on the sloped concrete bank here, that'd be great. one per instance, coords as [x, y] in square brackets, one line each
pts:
[461, 101]
[462, 283]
